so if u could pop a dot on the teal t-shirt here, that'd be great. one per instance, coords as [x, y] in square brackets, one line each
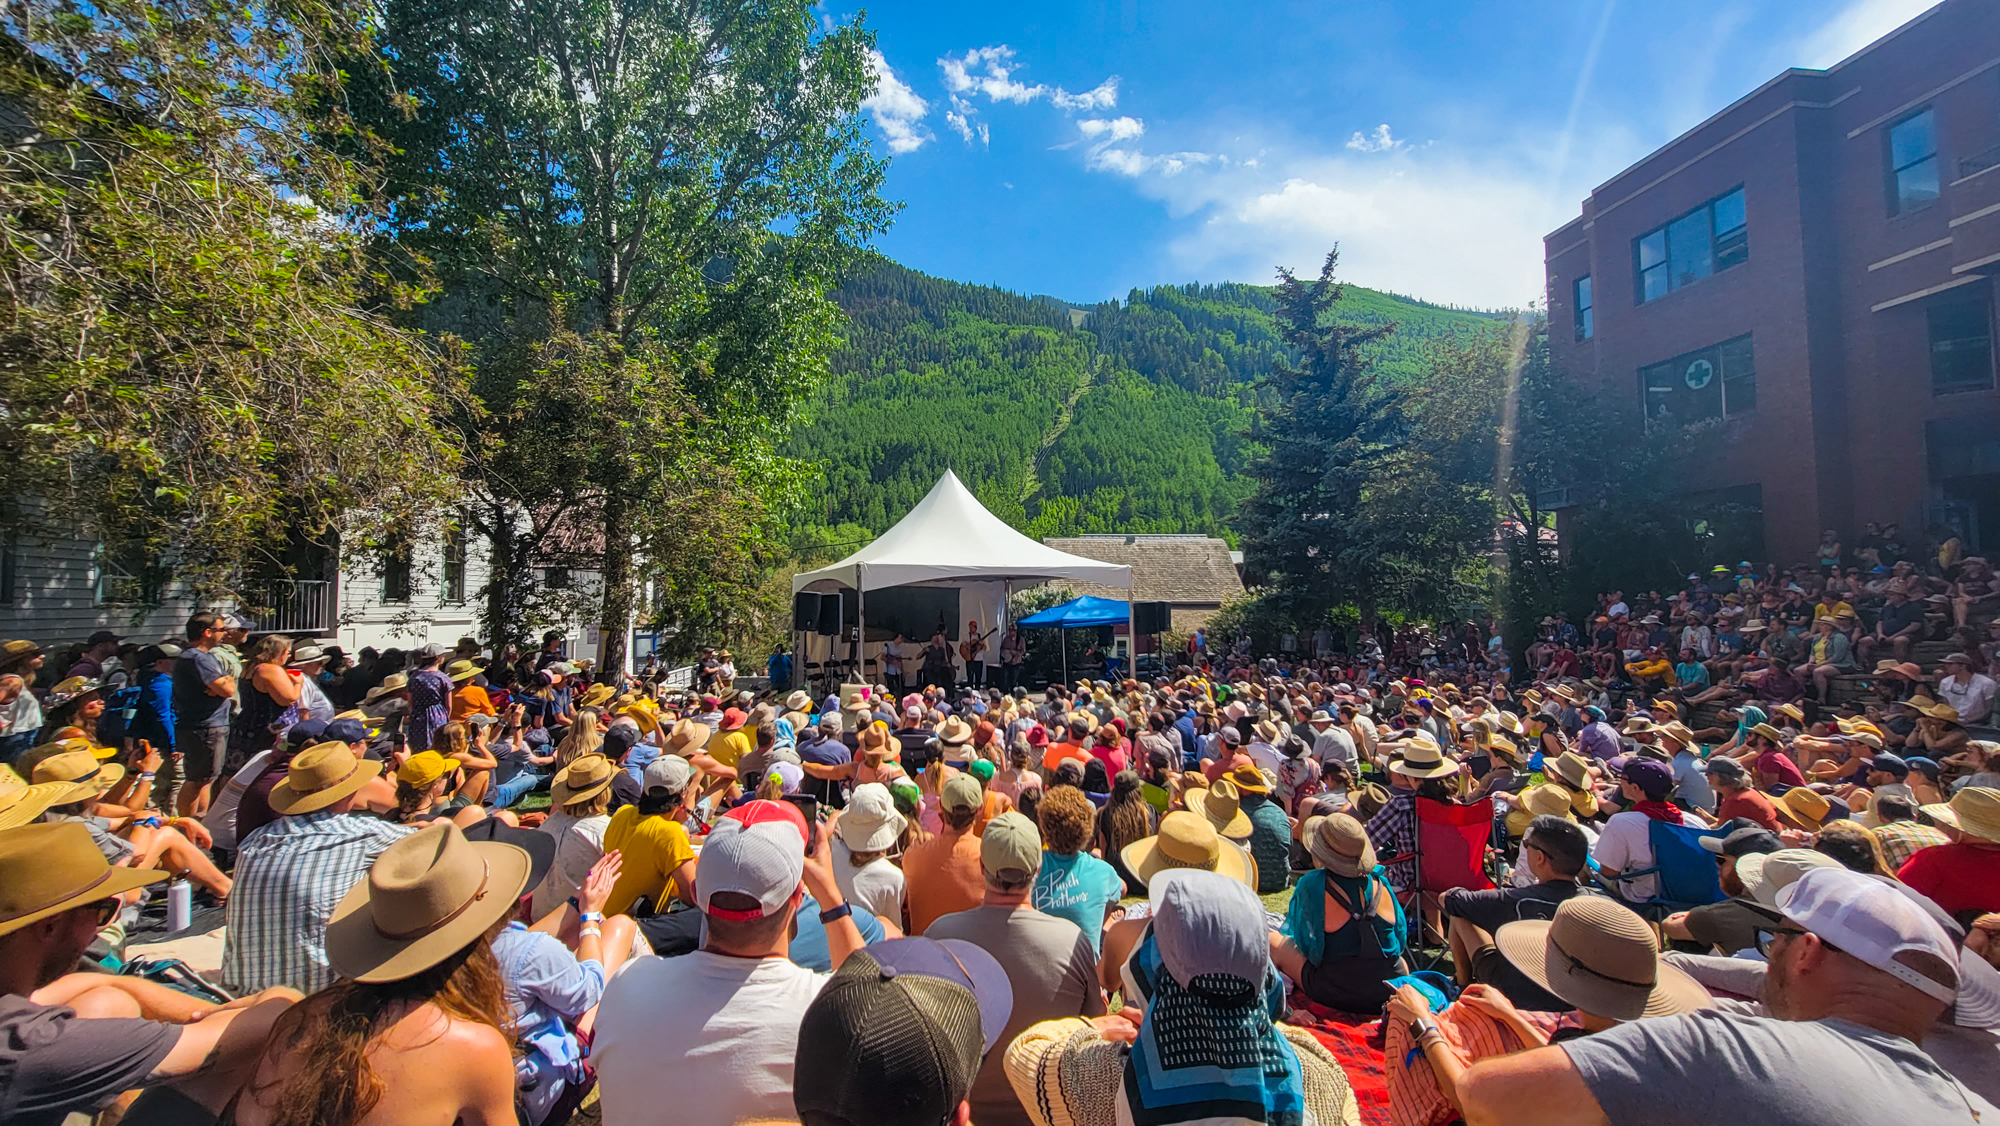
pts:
[1079, 887]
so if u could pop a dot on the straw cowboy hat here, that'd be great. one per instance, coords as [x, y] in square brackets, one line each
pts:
[1769, 732]
[1602, 958]
[81, 775]
[49, 868]
[955, 732]
[1805, 807]
[394, 682]
[1547, 801]
[799, 701]
[460, 671]
[1638, 725]
[319, 776]
[1571, 767]
[1248, 780]
[1974, 811]
[687, 737]
[427, 897]
[1506, 748]
[20, 804]
[585, 778]
[595, 696]
[1935, 710]
[1187, 840]
[857, 701]
[1678, 732]
[1423, 758]
[1340, 845]
[1223, 806]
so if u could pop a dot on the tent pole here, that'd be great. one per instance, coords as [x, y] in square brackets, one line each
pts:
[860, 626]
[1062, 644]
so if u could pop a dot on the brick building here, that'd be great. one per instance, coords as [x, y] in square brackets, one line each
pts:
[1814, 264]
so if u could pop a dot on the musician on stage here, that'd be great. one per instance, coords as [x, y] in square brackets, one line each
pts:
[973, 649]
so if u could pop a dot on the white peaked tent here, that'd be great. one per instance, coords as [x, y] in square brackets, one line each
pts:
[950, 535]
[949, 539]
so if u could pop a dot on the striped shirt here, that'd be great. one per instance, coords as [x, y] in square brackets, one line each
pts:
[290, 875]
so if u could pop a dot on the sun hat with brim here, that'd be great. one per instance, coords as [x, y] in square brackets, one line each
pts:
[1423, 758]
[463, 670]
[1974, 811]
[1222, 804]
[585, 778]
[1340, 845]
[80, 774]
[1248, 780]
[1571, 767]
[955, 732]
[870, 822]
[1804, 806]
[1547, 801]
[596, 696]
[51, 867]
[799, 701]
[1186, 840]
[21, 804]
[428, 896]
[394, 682]
[1603, 959]
[1937, 710]
[319, 776]
[1769, 732]
[687, 735]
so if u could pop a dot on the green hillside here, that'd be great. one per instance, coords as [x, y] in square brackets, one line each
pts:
[1125, 416]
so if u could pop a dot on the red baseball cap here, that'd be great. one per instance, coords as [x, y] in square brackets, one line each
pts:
[759, 811]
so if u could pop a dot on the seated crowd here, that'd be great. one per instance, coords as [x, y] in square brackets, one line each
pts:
[1108, 902]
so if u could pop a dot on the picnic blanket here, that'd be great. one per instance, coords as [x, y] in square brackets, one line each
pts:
[1356, 1041]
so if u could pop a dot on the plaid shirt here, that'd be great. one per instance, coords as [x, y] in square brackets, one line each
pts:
[290, 875]
[1393, 832]
[1902, 839]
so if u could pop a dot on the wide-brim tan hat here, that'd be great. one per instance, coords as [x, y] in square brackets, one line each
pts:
[597, 695]
[1423, 758]
[1571, 767]
[1223, 806]
[1796, 713]
[49, 868]
[79, 773]
[463, 670]
[424, 899]
[319, 776]
[1602, 958]
[394, 682]
[1805, 807]
[582, 779]
[798, 701]
[1936, 710]
[21, 804]
[687, 735]
[1546, 801]
[1340, 845]
[955, 732]
[1187, 840]
[1974, 811]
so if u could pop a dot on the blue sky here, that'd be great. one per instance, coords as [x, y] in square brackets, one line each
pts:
[1087, 147]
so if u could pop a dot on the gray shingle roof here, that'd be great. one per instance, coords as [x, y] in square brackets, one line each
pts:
[1183, 569]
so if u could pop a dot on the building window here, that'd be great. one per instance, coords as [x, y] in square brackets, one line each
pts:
[1913, 163]
[1961, 341]
[395, 567]
[1712, 237]
[1719, 381]
[452, 587]
[555, 578]
[1586, 325]
[10, 569]
[126, 576]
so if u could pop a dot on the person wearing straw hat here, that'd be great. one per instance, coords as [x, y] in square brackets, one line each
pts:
[468, 690]
[419, 1012]
[164, 847]
[1859, 973]
[579, 804]
[75, 1042]
[1418, 766]
[1346, 926]
[1964, 875]
[292, 873]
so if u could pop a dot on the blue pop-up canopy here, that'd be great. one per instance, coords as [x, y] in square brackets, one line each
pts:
[1079, 612]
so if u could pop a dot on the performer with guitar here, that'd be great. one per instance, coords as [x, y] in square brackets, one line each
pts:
[973, 649]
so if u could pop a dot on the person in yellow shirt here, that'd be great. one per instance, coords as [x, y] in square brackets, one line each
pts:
[658, 860]
[1831, 605]
[732, 741]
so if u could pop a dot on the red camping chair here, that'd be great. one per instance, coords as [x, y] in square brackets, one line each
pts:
[1451, 853]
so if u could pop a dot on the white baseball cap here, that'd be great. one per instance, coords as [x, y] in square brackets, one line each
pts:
[764, 861]
[1873, 922]
[668, 772]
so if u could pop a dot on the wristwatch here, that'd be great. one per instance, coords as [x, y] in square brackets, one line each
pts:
[835, 914]
[1420, 1026]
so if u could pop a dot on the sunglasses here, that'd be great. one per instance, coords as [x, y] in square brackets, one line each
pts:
[1766, 937]
[107, 910]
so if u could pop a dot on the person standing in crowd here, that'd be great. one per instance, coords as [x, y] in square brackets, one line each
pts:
[1072, 884]
[154, 720]
[430, 697]
[203, 690]
[941, 874]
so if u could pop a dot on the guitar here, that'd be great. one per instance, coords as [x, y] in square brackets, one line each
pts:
[971, 645]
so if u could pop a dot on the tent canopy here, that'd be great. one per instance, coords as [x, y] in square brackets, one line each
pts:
[1085, 611]
[950, 535]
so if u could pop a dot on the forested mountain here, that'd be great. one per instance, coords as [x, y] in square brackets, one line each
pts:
[1124, 416]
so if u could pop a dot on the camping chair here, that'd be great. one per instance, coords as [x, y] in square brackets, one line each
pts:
[1685, 873]
[1451, 852]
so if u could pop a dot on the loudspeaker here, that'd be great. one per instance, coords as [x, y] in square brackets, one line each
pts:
[1151, 617]
[805, 612]
[829, 615]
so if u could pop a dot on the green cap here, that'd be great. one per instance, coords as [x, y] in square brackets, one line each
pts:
[1011, 841]
[981, 769]
[962, 791]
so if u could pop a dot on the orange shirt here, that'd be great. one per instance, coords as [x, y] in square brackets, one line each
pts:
[940, 876]
[1057, 752]
[470, 700]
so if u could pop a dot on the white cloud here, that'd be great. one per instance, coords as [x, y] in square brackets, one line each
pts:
[989, 72]
[1116, 129]
[1855, 26]
[898, 111]
[1378, 141]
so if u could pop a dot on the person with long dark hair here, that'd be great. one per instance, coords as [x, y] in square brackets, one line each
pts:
[1124, 819]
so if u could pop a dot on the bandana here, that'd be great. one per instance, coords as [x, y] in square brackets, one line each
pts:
[1659, 811]
[1208, 1051]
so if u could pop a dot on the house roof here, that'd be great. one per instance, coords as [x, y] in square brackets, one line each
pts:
[1186, 569]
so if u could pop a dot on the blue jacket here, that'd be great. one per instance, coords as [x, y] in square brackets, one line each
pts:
[154, 721]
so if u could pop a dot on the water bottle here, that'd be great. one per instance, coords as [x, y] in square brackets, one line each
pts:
[180, 906]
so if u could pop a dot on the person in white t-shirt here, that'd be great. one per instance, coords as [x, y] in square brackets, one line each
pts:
[869, 828]
[709, 1038]
[1626, 842]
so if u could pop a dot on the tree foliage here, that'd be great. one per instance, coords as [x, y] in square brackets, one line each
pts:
[194, 364]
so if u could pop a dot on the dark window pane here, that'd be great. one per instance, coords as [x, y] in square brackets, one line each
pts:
[1657, 384]
[1729, 212]
[1653, 249]
[1912, 140]
[1585, 322]
[1700, 383]
[1653, 283]
[1690, 246]
[1961, 341]
[1917, 185]
[1739, 377]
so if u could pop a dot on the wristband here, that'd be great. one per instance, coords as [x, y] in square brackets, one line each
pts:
[145, 776]
[835, 914]
[593, 916]
[590, 932]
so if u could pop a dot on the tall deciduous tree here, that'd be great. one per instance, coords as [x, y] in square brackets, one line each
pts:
[669, 188]
[192, 363]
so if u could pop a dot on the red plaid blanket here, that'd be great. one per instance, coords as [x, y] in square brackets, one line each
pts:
[1356, 1041]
